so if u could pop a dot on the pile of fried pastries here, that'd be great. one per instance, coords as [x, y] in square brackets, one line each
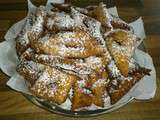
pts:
[81, 54]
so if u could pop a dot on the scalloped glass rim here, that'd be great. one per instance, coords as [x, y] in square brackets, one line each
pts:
[56, 109]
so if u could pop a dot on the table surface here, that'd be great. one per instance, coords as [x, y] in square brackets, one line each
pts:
[13, 106]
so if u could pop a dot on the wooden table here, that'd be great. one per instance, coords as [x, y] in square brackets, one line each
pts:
[13, 106]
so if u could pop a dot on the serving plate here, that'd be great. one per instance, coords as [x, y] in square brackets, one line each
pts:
[85, 113]
[56, 109]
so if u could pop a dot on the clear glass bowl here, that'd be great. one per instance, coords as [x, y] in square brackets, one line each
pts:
[56, 109]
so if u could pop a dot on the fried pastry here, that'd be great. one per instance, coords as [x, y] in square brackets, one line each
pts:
[31, 30]
[98, 81]
[38, 27]
[59, 21]
[80, 66]
[22, 41]
[119, 85]
[82, 96]
[91, 91]
[84, 55]
[53, 85]
[121, 45]
[118, 88]
[77, 44]
[118, 23]
[102, 15]
[30, 70]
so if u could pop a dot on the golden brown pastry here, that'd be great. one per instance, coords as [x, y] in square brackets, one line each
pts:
[102, 15]
[76, 44]
[80, 66]
[84, 55]
[92, 91]
[30, 70]
[53, 85]
[121, 45]
[22, 41]
[82, 96]
[98, 81]
[38, 26]
[118, 87]
[118, 23]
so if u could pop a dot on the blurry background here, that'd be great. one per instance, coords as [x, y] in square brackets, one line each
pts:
[14, 10]
[14, 106]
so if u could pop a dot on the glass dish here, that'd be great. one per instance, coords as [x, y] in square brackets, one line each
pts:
[56, 109]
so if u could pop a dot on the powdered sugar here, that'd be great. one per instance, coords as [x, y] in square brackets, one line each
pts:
[113, 68]
[94, 28]
[38, 25]
[70, 50]
[60, 20]
[115, 73]
[59, 30]
[99, 83]
[77, 16]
